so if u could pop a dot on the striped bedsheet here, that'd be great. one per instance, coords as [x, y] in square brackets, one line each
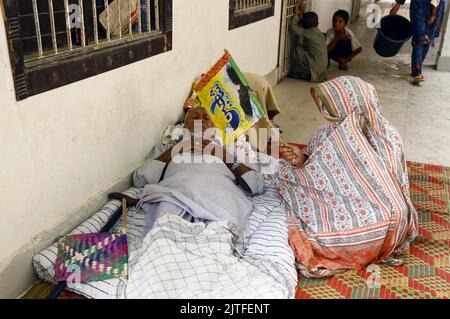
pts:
[266, 247]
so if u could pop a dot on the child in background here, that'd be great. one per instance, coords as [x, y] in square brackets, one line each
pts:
[425, 20]
[342, 45]
[309, 58]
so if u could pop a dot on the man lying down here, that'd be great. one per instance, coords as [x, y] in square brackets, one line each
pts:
[196, 179]
[197, 224]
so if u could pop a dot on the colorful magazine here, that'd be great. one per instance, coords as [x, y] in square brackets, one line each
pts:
[227, 97]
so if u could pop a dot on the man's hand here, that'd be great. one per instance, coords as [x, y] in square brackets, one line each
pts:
[299, 7]
[165, 157]
[292, 154]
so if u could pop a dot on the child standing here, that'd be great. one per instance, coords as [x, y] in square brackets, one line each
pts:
[342, 45]
[424, 22]
[309, 58]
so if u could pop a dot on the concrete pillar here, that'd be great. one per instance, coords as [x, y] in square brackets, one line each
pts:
[443, 63]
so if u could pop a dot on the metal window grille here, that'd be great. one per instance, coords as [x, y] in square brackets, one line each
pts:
[243, 5]
[53, 27]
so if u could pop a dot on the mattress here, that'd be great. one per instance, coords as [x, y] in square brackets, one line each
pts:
[266, 246]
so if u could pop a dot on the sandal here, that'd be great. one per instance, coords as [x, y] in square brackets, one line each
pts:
[418, 79]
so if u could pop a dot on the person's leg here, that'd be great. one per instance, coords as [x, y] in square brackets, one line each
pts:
[342, 49]
[419, 41]
[300, 65]
[426, 49]
[299, 74]
[336, 53]
[294, 70]
[417, 61]
[343, 66]
[153, 211]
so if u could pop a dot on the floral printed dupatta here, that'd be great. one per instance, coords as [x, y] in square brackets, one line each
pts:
[349, 205]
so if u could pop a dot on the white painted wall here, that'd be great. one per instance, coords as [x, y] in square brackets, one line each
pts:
[326, 8]
[63, 147]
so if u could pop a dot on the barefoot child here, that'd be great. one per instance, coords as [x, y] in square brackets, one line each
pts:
[309, 58]
[342, 45]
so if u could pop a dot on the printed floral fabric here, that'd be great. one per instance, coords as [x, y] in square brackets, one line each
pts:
[349, 205]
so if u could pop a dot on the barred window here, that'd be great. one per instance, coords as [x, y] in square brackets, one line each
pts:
[56, 42]
[243, 12]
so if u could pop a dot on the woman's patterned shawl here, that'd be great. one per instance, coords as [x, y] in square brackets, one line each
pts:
[349, 205]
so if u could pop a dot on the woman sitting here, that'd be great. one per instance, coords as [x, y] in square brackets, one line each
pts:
[347, 197]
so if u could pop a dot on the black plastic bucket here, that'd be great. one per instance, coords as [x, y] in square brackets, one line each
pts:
[394, 31]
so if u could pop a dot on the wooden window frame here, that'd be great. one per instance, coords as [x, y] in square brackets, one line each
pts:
[48, 73]
[237, 20]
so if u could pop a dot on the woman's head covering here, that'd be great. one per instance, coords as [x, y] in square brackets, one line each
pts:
[338, 98]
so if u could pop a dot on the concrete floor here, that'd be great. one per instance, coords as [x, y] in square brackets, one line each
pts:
[420, 113]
